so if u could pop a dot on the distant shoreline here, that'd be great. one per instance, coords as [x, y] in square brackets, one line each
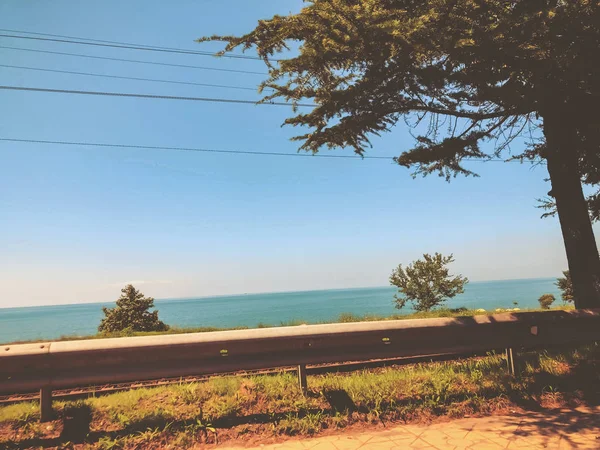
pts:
[250, 294]
[82, 319]
[342, 318]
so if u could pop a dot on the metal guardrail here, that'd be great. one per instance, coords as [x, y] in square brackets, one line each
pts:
[58, 365]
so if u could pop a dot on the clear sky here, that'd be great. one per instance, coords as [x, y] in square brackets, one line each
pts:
[77, 223]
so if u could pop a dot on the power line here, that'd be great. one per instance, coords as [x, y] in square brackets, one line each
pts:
[211, 150]
[103, 40]
[129, 78]
[191, 149]
[136, 61]
[123, 45]
[150, 96]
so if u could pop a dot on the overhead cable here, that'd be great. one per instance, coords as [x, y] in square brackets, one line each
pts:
[151, 96]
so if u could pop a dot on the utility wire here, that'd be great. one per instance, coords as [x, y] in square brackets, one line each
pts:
[228, 55]
[101, 40]
[223, 100]
[151, 96]
[137, 61]
[210, 150]
[129, 78]
[123, 45]
[190, 149]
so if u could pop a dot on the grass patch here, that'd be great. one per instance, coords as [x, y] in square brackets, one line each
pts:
[267, 406]
[342, 318]
[25, 411]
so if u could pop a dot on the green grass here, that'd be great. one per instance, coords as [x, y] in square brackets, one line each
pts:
[259, 406]
[342, 318]
[129, 333]
[19, 412]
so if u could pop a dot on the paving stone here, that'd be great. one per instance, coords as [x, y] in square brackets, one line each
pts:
[347, 444]
[566, 429]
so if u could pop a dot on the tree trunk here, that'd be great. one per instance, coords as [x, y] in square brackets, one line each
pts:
[580, 244]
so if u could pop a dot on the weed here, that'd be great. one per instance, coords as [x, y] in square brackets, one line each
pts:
[190, 393]
[348, 317]
[221, 407]
[200, 425]
[107, 443]
[340, 420]
[147, 436]
[225, 385]
[121, 418]
[21, 412]
[25, 421]
[294, 423]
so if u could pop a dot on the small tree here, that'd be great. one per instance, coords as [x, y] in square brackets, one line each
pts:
[566, 286]
[426, 282]
[132, 312]
[546, 300]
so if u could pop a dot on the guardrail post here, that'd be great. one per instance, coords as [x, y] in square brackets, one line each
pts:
[302, 378]
[510, 361]
[46, 412]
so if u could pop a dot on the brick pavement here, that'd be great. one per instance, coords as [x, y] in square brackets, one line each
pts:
[563, 429]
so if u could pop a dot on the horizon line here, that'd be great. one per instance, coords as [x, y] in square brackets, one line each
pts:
[260, 293]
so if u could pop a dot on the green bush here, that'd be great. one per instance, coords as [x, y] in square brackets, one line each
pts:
[131, 314]
[426, 282]
[565, 284]
[546, 300]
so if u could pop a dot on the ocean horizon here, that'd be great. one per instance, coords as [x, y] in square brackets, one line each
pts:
[271, 308]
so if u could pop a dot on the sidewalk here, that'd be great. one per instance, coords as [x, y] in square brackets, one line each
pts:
[564, 429]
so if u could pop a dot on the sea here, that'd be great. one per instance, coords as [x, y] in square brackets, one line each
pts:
[51, 322]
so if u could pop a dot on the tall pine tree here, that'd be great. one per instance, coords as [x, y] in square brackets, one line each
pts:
[462, 72]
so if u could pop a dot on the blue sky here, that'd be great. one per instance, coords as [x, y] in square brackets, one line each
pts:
[77, 223]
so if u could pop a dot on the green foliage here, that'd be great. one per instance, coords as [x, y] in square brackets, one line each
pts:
[201, 426]
[20, 412]
[486, 68]
[347, 317]
[131, 314]
[546, 300]
[295, 424]
[566, 286]
[469, 76]
[426, 282]
[108, 443]
[223, 386]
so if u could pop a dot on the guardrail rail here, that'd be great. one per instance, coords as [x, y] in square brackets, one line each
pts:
[51, 366]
